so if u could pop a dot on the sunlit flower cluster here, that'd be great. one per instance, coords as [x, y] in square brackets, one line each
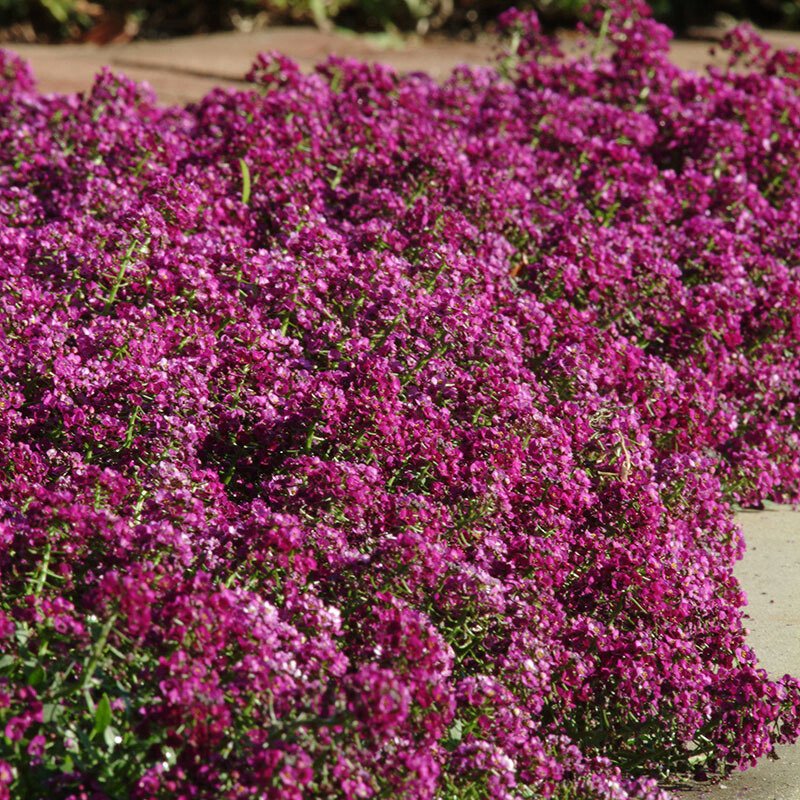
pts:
[367, 436]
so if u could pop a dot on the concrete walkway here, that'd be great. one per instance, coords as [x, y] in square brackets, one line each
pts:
[770, 574]
[183, 70]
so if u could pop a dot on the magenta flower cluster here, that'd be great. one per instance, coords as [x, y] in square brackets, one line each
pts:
[363, 436]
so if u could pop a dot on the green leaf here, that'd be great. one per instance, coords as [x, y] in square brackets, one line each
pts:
[319, 12]
[59, 9]
[111, 737]
[454, 735]
[112, 295]
[37, 676]
[246, 183]
[102, 716]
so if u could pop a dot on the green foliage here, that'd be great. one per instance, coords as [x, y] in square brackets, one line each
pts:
[64, 19]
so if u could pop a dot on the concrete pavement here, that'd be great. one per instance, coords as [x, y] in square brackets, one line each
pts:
[183, 70]
[770, 574]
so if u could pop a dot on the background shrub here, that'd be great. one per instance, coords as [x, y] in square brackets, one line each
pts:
[59, 19]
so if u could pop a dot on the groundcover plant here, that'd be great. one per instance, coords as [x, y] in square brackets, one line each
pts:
[365, 436]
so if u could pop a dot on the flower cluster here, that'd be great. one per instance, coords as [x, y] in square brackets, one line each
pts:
[364, 436]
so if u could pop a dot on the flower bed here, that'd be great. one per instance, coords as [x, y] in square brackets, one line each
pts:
[362, 436]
